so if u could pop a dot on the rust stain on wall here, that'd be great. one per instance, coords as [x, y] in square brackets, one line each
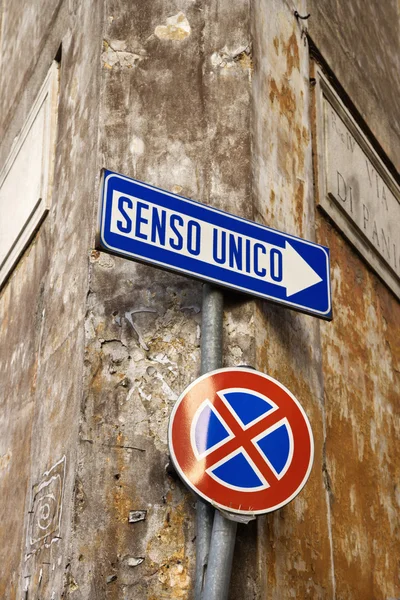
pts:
[362, 388]
[299, 204]
[272, 197]
[291, 50]
[302, 140]
[285, 98]
[166, 552]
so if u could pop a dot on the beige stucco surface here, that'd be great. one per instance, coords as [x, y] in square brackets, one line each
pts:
[211, 100]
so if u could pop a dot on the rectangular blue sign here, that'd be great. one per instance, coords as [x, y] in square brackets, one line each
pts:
[144, 223]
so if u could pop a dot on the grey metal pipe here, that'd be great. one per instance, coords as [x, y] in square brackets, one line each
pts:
[211, 329]
[211, 358]
[219, 568]
[204, 523]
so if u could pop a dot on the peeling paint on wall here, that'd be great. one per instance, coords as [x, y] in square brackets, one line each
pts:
[116, 54]
[177, 28]
[5, 460]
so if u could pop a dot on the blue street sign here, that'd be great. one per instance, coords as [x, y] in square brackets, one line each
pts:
[144, 223]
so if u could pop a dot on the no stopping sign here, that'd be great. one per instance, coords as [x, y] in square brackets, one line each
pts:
[240, 440]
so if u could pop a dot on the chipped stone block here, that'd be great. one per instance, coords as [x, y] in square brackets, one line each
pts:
[137, 515]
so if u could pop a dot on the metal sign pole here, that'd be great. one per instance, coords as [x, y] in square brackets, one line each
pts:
[215, 542]
[211, 358]
[219, 569]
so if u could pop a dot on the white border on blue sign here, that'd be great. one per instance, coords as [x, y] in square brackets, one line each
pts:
[301, 308]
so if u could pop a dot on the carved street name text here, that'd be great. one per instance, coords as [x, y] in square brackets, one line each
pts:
[356, 189]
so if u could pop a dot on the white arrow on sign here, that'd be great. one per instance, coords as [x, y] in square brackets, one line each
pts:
[297, 273]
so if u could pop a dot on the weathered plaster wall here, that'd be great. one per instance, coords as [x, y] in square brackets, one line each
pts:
[43, 304]
[19, 333]
[340, 537]
[361, 353]
[175, 112]
[361, 357]
[295, 542]
[361, 43]
[210, 100]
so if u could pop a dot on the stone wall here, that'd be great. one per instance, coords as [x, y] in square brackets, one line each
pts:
[43, 304]
[214, 101]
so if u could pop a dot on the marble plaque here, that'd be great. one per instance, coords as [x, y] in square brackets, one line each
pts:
[26, 178]
[355, 188]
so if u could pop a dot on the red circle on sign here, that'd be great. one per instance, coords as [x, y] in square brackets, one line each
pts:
[198, 470]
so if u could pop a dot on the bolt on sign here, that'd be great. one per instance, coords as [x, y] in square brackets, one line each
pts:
[144, 223]
[241, 441]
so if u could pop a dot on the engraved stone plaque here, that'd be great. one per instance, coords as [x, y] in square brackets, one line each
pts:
[355, 188]
[27, 176]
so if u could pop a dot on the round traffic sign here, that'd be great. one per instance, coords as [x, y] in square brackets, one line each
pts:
[240, 440]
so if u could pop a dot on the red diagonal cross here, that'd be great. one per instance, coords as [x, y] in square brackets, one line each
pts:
[243, 438]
